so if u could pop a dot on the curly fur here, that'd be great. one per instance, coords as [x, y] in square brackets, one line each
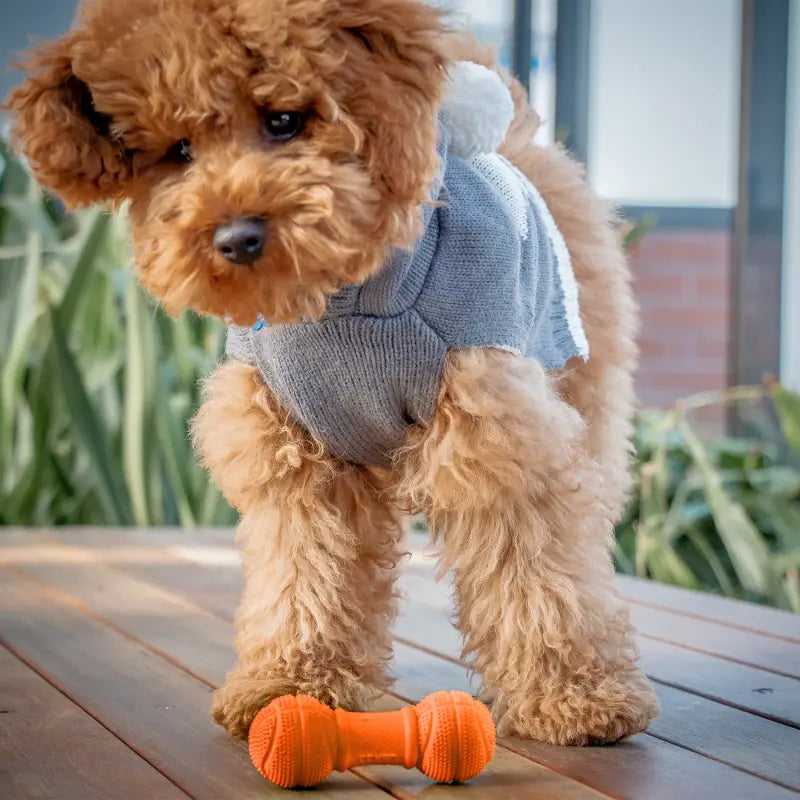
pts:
[365, 72]
[522, 473]
[319, 548]
[526, 530]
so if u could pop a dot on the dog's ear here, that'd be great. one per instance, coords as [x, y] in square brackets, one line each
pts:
[398, 63]
[69, 144]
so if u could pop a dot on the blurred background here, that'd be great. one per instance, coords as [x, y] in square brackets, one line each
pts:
[687, 115]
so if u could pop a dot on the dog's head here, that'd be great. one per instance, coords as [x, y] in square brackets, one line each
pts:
[271, 150]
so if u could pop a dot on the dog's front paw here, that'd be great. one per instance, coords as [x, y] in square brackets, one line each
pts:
[577, 715]
[235, 705]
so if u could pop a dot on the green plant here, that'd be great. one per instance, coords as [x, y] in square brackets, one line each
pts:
[97, 386]
[723, 515]
[96, 383]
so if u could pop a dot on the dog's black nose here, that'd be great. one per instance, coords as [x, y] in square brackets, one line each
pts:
[241, 240]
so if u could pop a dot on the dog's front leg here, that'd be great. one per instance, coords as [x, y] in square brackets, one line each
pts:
[319, 546]
[519, 507]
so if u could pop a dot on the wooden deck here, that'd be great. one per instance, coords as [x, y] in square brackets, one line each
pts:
[111, 641]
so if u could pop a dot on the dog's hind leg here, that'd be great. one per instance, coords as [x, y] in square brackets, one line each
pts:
[602, 389]
[519, 509]
[319, 546]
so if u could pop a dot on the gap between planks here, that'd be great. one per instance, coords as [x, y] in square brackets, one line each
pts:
[428, 592]
[544, 787]
[157, 710]
[727, 612]
[205, 545]
[765, 705]
[664, 739]
[48, 735]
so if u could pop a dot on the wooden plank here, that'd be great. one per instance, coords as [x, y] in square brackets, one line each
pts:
[642, 767]
[216, 588]
[150, 561]
[135, 607]
[748, 742]
[767, 694]
[765, 652]
[710, 607]
[172, 539]
[738, 614]
[752, 689]
[202, 644]
[760, 746]
[50, 747]
[429, 627]
[155, 708]
[199, 642]
[774, 649]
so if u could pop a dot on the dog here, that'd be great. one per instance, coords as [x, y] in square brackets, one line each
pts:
[275, 156]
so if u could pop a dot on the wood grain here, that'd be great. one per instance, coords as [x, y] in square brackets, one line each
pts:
[163, 583]
[701, 605]
[642, 767]
[760, 746]
[753, 649]
[155, 708]
[210, 577]
[50, 747]
[757, 745]
[744, 687]
[741, 643]
[682, 722]
[712, 608]
[201, 644]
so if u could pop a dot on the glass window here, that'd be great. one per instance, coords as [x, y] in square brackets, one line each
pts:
[492, 22]
[543, 67]
[664, 101]
[790, 341]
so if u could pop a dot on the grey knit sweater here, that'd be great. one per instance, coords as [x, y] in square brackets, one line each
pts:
[490, 270]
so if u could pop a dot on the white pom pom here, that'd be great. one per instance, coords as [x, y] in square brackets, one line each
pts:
[478, 110]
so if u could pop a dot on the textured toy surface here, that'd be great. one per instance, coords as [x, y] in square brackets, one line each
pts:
[298, 741]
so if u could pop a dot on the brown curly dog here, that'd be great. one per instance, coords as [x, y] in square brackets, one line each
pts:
[315, 123]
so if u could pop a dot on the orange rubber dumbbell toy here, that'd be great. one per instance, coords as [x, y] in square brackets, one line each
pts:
[298, 741]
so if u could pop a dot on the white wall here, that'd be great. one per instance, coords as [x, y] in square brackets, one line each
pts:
[664, 101]
[790, 340]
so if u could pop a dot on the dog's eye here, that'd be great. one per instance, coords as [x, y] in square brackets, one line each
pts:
[281, 126]
[180, 153]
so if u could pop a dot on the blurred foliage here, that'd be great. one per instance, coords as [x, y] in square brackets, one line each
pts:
[722, 516]
[97, 386]
[633, 232]
[96, 383]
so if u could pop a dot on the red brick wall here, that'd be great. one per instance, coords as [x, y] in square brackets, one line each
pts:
[682, 280]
